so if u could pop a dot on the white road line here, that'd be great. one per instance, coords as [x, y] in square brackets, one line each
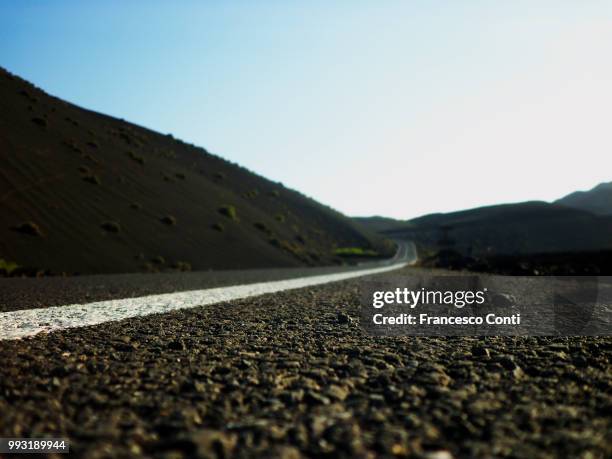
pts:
[29, 322]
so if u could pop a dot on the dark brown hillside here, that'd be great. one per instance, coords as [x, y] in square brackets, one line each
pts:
[82, 192]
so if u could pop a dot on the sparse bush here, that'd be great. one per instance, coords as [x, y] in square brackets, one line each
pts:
[93, 179]
[251, 194]
[355, 252]
[137, 158]
[168, 220]
[70, 143]
[228, 211]
[135, 206]
[274, 193]
[29, 228]
[93, 144]
[219, 175]
[40, 122]
[262, 227]
[167, 178]
[182, 266]
[148, 267]
[84, 169]
[180, 175]
[90, 158]
[159, 260]
[218, 227]
[111, 227]
[300, 239]
[280, 218]
[286, 246]
[7, 267]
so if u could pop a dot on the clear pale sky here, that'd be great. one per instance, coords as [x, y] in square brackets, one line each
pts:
[395, 108]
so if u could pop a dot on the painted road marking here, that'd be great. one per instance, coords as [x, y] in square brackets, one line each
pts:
[29, 322]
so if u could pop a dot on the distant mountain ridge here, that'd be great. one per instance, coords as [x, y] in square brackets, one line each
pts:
[82, 192]
[378, 223]
[597, 200]
[519, 228]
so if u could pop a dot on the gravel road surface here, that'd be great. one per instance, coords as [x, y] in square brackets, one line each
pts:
[292, 375]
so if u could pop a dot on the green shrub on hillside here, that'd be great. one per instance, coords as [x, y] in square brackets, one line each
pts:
[355, 252]
[159, 260]
[29, 228]
[40, 122]
[71, 143]
[251, 194]
[135, 157]
[182, 266]
[262, 227]
[93, 179]
[7, 267]
[111, 227]
[228, 211]
[168, 220]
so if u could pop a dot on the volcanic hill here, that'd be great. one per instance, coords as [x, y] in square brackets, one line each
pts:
[82, 192]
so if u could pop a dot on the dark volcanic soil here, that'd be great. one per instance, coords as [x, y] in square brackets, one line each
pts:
[292, 374]
[81, 192]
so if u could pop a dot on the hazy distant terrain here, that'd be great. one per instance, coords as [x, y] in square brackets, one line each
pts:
[522, 228]
[81, 192]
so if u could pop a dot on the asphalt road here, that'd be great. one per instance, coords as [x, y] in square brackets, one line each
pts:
[292, 374]
[29, 293]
